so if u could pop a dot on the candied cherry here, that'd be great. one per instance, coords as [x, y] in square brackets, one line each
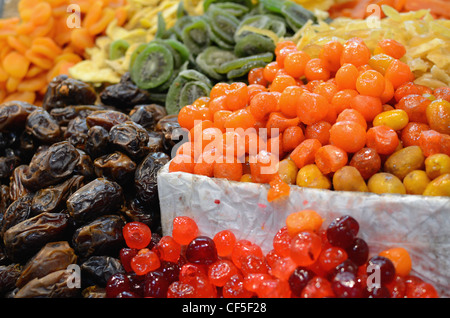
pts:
[116, 284]
[221, 271]
[305, 248]
[184, 230]
[225, 241]
[331, 257]
[155, 285]
[342, 231]
[201, 250]
[299, 279]
[137, 235]
[317, 287]
[345, 285]
[145, 261]
[243, 248]
[384, 266]
[126, 254]
[358, 251]
[234, 288]
[169, 249]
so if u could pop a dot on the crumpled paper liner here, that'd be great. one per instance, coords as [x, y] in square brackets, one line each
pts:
[418, 223]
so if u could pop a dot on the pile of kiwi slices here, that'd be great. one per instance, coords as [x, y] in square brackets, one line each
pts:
[182, 63]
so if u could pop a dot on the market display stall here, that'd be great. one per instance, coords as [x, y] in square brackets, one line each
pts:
[225, 149]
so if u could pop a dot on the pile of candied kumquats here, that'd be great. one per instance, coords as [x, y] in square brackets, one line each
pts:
[308, 260]
[349, 119]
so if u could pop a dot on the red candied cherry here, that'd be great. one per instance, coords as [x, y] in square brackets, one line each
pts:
[305, 248]
[221, 271]
[331, 257]
[127, 294]
[137, 235]
[169, 250]
[145, 261]
[243, 248]
[170, 270]
[377, 292]
[155, 285]
[383, 266]
[234, 288]
[299, 279]
[201, 250]
[345, 285]
[126, 254]
[253, 264]
[358, 251]
[417, 288]
[317, 287]
[117, 284]
[273, 288]
[346, 266]
[282, 241]
[225, 241]
[283, 267]
[397, 287]
[342, 231]
[180, 290]
[184, 230]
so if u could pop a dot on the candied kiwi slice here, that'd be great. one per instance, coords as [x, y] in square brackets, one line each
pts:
[242, 71]
[136, 52]
[222, 23]
[207, 3]
[296, 16]
[196, 36]
[192, 91]
[174, 95]
[211, 57]
[118, 48]
[240, 62]
[235, 9]
[152, 67]
[252, 44]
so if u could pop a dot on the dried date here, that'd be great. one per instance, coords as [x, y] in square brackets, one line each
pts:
[96, 198]
[115, 166]
[27, 237]
[51, 166]
[13, 115]
[131, 138]
[64, 91]
[97, 269]
[52, 257]
[103, 236]
[42, 126]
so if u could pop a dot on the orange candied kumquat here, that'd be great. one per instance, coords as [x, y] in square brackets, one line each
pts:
[315, 69]
[390, 47]
[289, 99]
[189, 114]
[346, 76]
[355, 52]
[347, 135]
[305, 152]
[312, 108]
[368, 106]
[383, 139]
[262, 104]
[295, 63]
[330, 54]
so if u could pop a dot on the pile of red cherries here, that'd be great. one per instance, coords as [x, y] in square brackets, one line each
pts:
[331, 262]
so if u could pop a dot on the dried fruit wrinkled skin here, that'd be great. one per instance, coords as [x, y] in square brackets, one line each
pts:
[14, 114]
[64, 91]
[43, 126]
[52, 257]
[103, 236]
[54, 285]
[27, 237]
[51, 166]
[99, 197]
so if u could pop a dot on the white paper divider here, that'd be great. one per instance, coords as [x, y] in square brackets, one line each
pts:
[418, 223]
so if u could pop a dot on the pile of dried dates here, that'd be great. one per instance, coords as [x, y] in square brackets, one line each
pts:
[72, 173]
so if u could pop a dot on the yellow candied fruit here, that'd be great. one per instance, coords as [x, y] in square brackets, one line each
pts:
[405, 160]
[383, 182]
[349, 178]
[416, 181]
[288, 171]
[397, 119]
[310, 176]
[380, 62]
[437, 165]
[439, 186]
[438, 116]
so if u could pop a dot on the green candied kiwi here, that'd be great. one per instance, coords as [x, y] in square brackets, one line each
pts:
[152, 67]
[222, 23]
[117, 49]
[240, 62]
[296, 16]
[178, 93]
[252, 44]
[211, 57]
[246, 3]
[196, 36]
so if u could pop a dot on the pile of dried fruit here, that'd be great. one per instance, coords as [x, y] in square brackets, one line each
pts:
[350, 119]
[308, 260]
[72, 173]
[46, 40]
